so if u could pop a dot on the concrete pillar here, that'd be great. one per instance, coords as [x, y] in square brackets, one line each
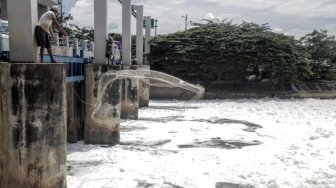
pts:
[147, 38]
[92, 45]
[130, 95]
[33, 125]
[22, 21]
[126, 32]
[84, 44]
[147, 33]
[96, 132]
[144, 86]
[66, 41]
[100, 33]
[4, 9]
[75, 47]
[139, 34]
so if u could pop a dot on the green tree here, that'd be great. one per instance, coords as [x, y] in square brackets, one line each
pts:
[74, 31]
[322, 49]
[225, 51]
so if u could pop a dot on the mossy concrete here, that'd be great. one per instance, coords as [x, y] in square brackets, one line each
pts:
[32, 125]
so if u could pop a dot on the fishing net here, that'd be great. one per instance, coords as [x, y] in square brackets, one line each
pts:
[108, 104]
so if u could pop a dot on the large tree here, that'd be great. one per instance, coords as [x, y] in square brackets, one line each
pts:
[225, 51]
[74, 31]
[322, 49]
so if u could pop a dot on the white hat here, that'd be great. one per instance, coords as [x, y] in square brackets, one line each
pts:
[54, 8]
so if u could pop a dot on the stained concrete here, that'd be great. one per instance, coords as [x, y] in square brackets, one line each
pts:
[75, 107]
[96, 132]
[144, 85]
[32, 125]
[130, 95]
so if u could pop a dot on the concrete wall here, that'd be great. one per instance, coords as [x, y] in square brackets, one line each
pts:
[32, 125]
[61, 50]
[217, 90]
[319, 89]
[76, 112]
[95, 132]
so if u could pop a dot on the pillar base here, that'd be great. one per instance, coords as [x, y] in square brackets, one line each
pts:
[32, 125]
[130, 95]
[101, 132]
[144, 86]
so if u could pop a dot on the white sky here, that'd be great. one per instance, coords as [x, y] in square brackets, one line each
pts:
[292, 17]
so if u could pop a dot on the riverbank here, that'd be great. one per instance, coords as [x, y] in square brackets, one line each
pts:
[229, 90]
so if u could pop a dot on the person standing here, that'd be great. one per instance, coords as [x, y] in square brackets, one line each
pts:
[110, 48]
[43, 31]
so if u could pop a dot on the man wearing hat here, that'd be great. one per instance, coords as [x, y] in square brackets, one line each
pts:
[44, 29]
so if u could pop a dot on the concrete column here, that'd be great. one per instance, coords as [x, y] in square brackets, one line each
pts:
[139, 34]
[4, 9]
[92, 45]
[66, 41]
[126, 32]
[22, 21]
[33, 115]
[147, 38]
[75, 47]
[100, 33]
[106, 132]
[130, 95]
[147, 33]
[84, 44]
[144, 86]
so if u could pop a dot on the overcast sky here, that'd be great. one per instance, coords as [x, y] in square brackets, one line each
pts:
[292, 17]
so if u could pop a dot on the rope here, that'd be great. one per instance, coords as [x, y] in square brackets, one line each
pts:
[84, 102]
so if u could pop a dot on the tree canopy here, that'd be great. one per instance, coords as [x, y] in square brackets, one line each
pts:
[322, 50]
[221, 50]
[226, 51]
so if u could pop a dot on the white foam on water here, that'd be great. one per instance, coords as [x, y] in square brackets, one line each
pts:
[298, 146]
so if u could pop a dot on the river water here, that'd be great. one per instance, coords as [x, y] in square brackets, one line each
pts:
[216, 143]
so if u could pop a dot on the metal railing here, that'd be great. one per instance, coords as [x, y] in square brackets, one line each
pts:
[75, 66]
